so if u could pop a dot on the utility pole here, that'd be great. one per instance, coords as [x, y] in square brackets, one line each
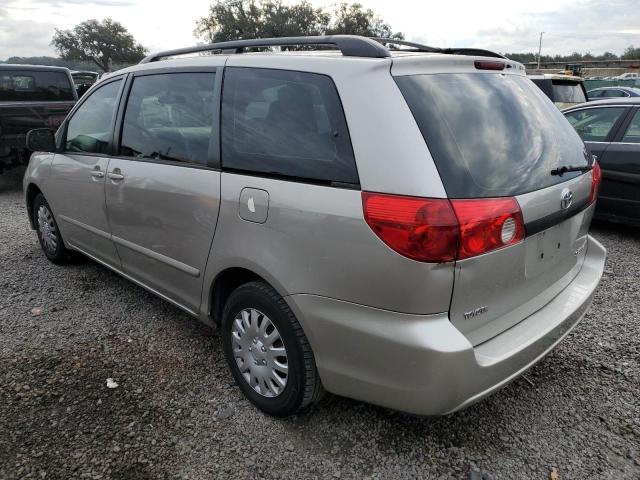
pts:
[539, 49]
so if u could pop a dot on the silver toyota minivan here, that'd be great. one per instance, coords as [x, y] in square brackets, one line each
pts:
[406, 226]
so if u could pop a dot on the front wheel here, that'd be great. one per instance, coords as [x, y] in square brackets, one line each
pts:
[48, 232]
[267, 351]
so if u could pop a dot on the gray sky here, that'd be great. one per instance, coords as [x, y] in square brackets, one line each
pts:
[26, 26]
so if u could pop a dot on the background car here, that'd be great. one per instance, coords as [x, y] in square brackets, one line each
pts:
[563, 90]
[613, 92]
[627, 76]
[31, 96]
[83, 80]
[611, 130]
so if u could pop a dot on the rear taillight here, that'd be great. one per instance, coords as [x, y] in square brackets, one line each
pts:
[596, 179]
[441, 230]
[423, 229]
[487, 224]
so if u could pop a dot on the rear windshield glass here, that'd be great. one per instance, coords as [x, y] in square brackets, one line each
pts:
[491, 135]
[568, 93]
[35, 86]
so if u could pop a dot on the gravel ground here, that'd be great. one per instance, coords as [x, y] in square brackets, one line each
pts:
[177, 414]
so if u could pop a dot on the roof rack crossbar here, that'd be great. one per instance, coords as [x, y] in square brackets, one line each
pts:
[349, 45]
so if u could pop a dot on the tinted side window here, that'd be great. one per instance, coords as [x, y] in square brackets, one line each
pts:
[35, 85]
[90, 128]
[615, 93]
[596, 93]
[285, 123]
[170, 117]
[632, 135]
[594, 124]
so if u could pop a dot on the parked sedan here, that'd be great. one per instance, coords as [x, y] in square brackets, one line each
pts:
[613, 92]
[611, 130]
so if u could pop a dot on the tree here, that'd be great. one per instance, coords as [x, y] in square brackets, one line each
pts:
[246, 19]
[607, 56]
[353, 19]
[631, 53]
[102, 43]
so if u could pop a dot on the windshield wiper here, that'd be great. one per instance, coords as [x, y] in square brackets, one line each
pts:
[568, 168]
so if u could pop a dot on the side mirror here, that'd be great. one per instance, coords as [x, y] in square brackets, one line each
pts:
[41, 140]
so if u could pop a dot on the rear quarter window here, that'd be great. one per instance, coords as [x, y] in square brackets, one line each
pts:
[285, 123]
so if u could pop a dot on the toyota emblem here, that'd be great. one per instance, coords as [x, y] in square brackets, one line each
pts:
[566, 198]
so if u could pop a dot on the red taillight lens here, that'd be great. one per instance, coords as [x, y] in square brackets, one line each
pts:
[441, 230]
[488, 224]
[423, 229]
[596, 179]
[488, 65]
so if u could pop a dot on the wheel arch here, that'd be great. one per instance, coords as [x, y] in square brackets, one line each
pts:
[225, 282]
[32, 192]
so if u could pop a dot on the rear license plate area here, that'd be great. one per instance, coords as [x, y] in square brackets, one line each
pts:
[553, 249]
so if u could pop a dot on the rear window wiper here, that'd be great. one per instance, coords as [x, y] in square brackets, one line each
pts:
[568, 168]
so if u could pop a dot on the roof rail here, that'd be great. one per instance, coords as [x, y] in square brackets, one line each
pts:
[416, 46]
[451, 51]
[474, 52]
[349, 45]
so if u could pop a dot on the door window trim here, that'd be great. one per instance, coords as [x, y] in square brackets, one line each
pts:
[624, 126]
[85, 97]
[213, 162]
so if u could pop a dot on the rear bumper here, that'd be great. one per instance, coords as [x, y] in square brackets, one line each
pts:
[421, 363]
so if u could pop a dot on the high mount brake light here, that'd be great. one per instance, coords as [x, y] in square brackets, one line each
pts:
[488, 65]
[596, 180]
[440, 230]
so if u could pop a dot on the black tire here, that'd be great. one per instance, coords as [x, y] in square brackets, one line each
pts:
[303, 386]
[57, 254]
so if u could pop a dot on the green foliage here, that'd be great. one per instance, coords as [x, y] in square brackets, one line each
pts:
[102, 43]
[353, 19]
[245, 19]
[631, 53]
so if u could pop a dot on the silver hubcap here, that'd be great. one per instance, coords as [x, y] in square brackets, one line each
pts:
[259, 352]
[47, 229]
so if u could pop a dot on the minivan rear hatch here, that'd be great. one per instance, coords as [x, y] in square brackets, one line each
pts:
[494, 134]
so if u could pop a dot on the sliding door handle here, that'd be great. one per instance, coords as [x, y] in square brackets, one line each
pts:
[116, 174]
[97, 174]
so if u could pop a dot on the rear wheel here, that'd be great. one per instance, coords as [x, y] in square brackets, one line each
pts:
[48, 232]
[267, 351]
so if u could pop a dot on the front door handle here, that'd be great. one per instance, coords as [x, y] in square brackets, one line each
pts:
[96, 172]
[116, 174]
